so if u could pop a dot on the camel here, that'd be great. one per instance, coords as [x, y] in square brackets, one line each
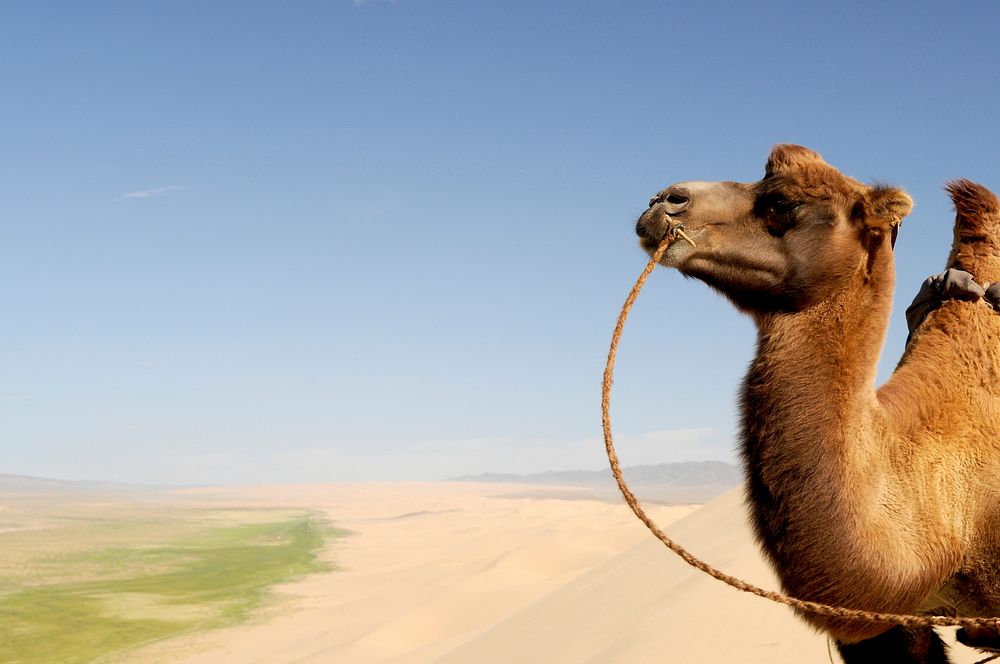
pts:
[885, 500]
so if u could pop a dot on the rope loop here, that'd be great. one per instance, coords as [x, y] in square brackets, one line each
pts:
[815, 608]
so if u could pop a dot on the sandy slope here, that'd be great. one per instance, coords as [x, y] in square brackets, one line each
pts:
[428, 567]
[455, 573]
[646, 605]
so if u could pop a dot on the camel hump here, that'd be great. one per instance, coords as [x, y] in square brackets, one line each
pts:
[976, 247]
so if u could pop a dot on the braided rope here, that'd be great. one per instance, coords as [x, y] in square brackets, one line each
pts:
[802, 605]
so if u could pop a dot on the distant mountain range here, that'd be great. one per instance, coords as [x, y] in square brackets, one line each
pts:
[665, 475]
[28, 484]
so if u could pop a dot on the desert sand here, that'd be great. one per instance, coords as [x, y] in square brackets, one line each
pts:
[462, 573]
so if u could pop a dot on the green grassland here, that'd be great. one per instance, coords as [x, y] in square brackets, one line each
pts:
[84, 579]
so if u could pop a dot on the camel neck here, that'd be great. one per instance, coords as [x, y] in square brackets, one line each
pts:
[810, 421]
[810, 390]
[824, 358]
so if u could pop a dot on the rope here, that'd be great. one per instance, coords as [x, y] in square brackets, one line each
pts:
[800, 604]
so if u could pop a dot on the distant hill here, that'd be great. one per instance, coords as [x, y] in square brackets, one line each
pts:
[28, 484]
[665, 475]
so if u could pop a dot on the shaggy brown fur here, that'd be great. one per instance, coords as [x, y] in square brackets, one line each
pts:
[883, 500]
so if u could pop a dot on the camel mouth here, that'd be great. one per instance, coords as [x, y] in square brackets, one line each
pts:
[653, 232]
[680, 248]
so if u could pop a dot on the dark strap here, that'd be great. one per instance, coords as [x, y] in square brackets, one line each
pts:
[993, 296]
[951, 284]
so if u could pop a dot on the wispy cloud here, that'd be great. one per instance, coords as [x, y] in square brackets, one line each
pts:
[154, 192]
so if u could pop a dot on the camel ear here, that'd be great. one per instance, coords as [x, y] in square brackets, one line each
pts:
[886, 206]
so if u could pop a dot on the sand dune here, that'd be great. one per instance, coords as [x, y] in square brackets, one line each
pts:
[456, 573]
[428, 566]
[646, 605]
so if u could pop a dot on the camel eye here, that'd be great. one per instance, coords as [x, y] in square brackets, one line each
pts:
[779, 215]
[774, 203]
[783, 206]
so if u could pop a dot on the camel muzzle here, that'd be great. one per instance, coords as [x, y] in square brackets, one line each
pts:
[656, 225]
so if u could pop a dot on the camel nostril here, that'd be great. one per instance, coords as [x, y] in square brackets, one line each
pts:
[675, 199]
[672, 200]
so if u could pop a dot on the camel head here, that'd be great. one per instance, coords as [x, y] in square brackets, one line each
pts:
[801, 234]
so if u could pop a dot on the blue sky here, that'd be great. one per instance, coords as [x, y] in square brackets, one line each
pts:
[339, 240]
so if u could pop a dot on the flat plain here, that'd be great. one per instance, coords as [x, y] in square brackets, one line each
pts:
[88, 576]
